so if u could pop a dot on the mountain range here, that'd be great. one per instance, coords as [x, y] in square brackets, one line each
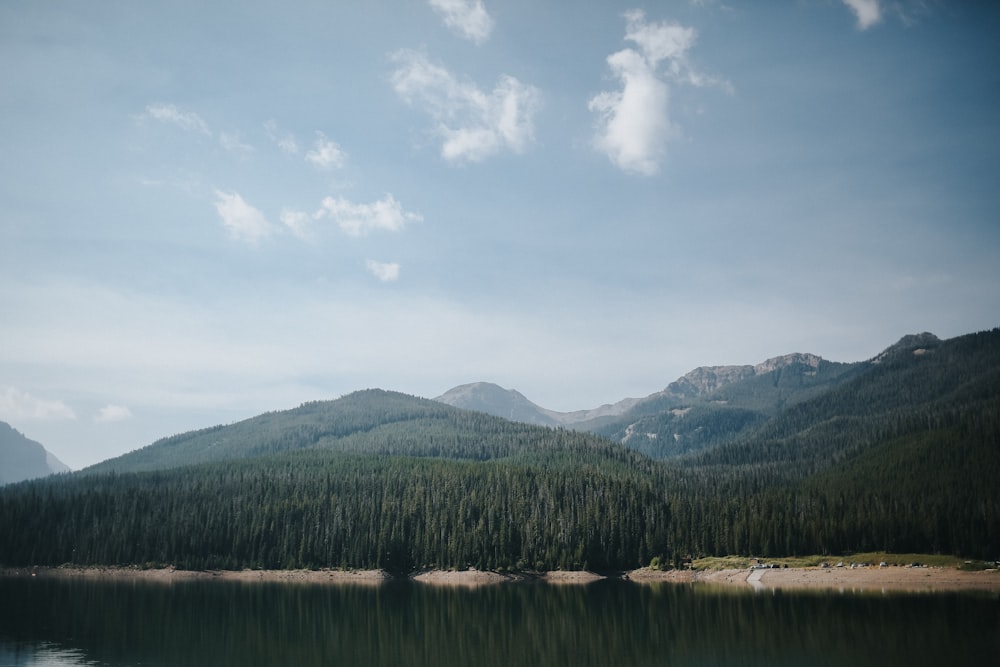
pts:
[708, 406]
[22, 458]
[793, 455]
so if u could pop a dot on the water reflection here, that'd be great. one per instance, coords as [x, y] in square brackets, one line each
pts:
[51, 622]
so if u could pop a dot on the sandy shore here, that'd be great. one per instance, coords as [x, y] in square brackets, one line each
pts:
[873, 579]
[472, 578]
[465, 578]
[169, 574]
[560, 577]
[865, 579]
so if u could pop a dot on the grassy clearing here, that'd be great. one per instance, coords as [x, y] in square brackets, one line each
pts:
[870, 558]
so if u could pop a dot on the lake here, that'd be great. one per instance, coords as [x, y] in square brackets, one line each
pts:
[51, 622]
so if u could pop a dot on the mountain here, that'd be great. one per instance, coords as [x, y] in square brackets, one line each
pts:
[716, 404]
[710, 405]
[795, 455]
[707, 406]
[917, 388]
[372, 479]
[21, 458]
[495, 400]
[369, 422]
[511, 404]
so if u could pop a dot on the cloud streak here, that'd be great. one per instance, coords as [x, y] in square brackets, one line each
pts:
[325, 153]
[17, 405]
[386, 272]
[241, 220]
[868, 12]
[467, 18]
[385, 214]
[112, 413]
[471, 124]
[172, 115]
[285, 141]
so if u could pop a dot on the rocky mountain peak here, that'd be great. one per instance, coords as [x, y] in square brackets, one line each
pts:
[706, 379]
[786, 360]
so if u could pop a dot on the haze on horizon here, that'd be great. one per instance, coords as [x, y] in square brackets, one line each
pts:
[211, 211]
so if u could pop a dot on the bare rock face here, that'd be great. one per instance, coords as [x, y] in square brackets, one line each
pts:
[777, 363]
[706, 379]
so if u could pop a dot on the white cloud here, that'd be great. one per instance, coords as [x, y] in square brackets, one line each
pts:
[472, 124]
[285, 141]
[232, 142]
[16, 404]
[385, 214]
[297, 222]
[243, 221]
[868, 12]
[387, 272]
[659, 41]
[634, 122]
[186, 120]
[468, 18]
[326, 153]
[112, 413]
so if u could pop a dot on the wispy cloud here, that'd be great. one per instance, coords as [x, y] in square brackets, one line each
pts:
[868, 12]
[471, 123]
[387, 272]
[16, 405]
[243, 221]
[468, 18]
[325, 153]
[112, 413]
[284, 140]
[386, 214]
[297, 222]
[634, 122]
[171, 114]
[232, 142]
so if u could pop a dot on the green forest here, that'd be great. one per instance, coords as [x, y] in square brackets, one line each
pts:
[900, 455]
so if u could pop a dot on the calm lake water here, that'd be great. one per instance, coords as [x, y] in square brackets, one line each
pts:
[613, 623]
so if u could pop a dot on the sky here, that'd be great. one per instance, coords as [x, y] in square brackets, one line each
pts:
[213, 210]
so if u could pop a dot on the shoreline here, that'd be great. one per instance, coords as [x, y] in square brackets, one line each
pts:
[855, 580]
[895, 578]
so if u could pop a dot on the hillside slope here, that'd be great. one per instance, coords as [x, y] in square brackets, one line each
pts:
[22, 458]
[374, 479]
[370, 422]
[901, 454]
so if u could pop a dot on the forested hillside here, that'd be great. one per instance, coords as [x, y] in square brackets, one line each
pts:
[373, 422]
[711, 406]
[900, 454]
[904, 455]
[375, 479]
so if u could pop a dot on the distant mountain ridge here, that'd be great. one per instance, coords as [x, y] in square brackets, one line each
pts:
[511, 404]
[795, 455]
[707, 406]
[22, 458]
[495, 400]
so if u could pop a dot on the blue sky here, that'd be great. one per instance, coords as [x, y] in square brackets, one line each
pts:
[210, 210]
